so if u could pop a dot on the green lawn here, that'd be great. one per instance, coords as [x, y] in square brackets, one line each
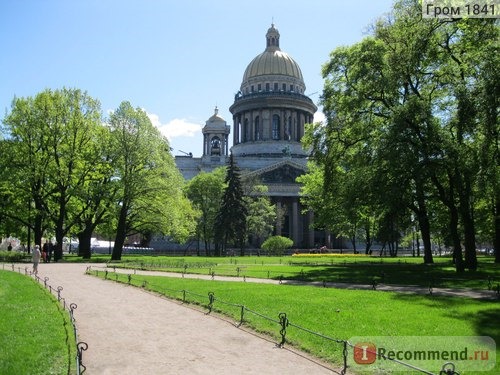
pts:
[36, 335]
[339, 314]
[348, 269]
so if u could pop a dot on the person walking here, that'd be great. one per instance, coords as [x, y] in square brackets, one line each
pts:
[36, 258]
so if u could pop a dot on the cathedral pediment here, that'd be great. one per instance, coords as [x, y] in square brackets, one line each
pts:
[284, 172]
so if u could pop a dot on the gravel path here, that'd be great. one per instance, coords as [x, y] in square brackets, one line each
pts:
[131, 331]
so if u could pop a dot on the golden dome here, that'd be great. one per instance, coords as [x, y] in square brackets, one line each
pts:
[273, 66]
[273, 63]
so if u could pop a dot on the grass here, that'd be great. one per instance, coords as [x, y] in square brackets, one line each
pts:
[36, 336]
[339, 314]
[349, 269]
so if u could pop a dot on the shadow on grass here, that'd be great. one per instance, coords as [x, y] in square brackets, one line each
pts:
[482, 314]
[486, 324]
[437, 275]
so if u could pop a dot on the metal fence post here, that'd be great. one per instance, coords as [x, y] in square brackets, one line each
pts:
[284, 323]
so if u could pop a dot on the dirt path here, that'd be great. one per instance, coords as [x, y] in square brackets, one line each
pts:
[130, 331]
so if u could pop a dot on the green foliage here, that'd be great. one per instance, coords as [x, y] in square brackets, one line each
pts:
[37, 337]
[205, 192]
[261, 213]
[406, 130]
[72, 175]
[13, 256]
[230, 223]
[54, 150]
[275, 245]
[150, 187]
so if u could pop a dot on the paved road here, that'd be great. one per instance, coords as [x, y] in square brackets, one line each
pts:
[131, 331]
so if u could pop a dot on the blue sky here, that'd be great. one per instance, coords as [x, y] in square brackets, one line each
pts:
[175, 59]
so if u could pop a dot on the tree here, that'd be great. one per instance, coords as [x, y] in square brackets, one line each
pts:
[276, 245]
[54, 148]
[72, 119]
[402, 103]
[97, 197]
[230, 223]
[205, 191]
[261, 213]
[150, 197]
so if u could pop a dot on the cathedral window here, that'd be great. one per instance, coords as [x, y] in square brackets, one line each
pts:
[276, 127]
[267, 87]
[215, 143]
[257, 129]
[275, 86]
[284, 87]
[246, 131]
[259, 87]
[288, 129]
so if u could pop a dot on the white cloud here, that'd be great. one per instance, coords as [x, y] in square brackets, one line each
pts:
[319, 117]
[175, 128]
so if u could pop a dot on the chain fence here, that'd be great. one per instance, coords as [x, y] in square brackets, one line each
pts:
[69, 307]
[370, 280]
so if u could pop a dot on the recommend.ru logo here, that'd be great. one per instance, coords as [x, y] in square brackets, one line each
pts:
[427, 353]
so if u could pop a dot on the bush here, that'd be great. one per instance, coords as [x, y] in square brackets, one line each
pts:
[13, 257]
[275, 245]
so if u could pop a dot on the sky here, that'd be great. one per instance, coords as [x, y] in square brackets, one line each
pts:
[175, 59]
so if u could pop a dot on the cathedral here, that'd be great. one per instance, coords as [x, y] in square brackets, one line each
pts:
[269, 113]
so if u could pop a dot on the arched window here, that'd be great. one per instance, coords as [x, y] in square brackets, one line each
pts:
[288, 129]
[276, 127]
[257, 129]
[246, 131]
[215, 143]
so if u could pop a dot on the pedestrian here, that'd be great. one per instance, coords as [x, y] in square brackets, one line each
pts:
[50, 249]
[45, 252]
[36, 259]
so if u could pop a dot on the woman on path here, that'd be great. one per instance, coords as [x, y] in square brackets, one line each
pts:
[36, 259]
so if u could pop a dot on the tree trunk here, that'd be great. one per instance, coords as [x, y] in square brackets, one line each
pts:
[457, 246]
[84, 243]
[58, 244]
[448, 200]
[368, 240]
[121, 234]
[467, 216]
[59, 222]
[496, 241]
[424, 224]
[38, 220]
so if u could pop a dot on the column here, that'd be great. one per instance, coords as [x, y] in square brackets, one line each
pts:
[295, 222]
[235, 127]
[279, 217]
[252, 128]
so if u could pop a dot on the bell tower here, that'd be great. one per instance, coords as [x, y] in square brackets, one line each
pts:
[215, 137]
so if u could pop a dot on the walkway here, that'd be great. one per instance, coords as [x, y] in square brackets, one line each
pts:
[131, 331]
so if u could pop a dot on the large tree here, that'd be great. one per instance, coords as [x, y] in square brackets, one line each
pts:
[230, 223]
[205, 191]
[150, 197]
[261, 214]
[403, 119]
[54, 149]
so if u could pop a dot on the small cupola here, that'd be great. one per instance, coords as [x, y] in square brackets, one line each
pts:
[272, 39]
